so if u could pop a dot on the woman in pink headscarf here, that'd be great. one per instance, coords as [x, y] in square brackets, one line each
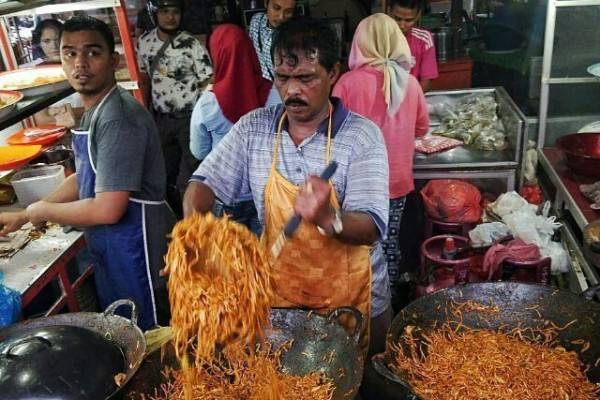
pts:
[379, 87]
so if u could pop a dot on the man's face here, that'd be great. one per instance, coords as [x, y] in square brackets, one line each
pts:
[168, 19]
[303, 84]
[49, 42]
[87, 61]
[405, 17]
[279, 11]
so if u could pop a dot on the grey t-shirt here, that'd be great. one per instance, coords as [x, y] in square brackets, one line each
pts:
[125, 148]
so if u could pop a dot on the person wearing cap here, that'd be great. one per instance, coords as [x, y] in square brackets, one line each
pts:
[261, 31]
[176, 68]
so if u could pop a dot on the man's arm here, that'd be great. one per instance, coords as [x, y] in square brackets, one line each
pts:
[198, 198]
[146, 87]
[312, 204]
[106, 208]
[66, 192]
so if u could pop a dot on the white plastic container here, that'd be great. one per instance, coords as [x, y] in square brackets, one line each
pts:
[33, 184]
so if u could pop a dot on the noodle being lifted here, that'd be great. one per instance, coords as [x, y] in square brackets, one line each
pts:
[219, 285]
[220, 293]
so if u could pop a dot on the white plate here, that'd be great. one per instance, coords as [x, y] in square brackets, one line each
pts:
[591, 127]
[594, 70]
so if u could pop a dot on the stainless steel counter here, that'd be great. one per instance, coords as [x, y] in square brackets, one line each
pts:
[469, 157]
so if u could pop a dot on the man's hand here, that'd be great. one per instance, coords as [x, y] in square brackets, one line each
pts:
[36, 213]
[313, 202]
[12, 221]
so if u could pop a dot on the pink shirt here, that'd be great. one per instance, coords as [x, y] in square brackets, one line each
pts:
[360, 90]
[424, 64]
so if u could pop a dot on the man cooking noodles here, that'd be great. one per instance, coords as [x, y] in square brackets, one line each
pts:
[276, 153]
[119, 187]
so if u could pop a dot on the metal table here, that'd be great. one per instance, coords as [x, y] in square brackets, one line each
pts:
[43, 260]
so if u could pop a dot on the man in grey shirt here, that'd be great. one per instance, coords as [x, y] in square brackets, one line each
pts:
[119, 187]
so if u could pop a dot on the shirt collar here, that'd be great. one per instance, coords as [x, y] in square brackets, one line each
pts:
[338, 117]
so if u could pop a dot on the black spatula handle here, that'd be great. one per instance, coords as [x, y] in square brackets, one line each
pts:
[294, 222]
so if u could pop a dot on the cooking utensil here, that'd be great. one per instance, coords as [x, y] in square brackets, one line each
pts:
[319, 344]
[294, 222]
[520, 304]
[14, 156]
[316, 341]
[582, 151]
[117, 330]
[57, 155]
[66, 361]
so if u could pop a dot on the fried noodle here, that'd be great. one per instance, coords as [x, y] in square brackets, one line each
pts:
[480, 364]
[220, 293]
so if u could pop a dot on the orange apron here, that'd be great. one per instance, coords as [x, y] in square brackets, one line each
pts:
[314, 271]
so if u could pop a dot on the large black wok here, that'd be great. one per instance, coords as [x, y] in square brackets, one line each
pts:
[63, 342]
[320, 344]
[525, 305]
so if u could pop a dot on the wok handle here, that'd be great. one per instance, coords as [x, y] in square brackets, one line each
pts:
[592, 292]
[335, 314]
[378, 363]
[25, 340]
[110, 310]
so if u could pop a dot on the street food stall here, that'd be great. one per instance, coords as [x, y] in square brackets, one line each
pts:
[503, 294]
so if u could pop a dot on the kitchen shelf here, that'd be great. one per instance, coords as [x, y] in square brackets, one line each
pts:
[30, 105]
[568, 197]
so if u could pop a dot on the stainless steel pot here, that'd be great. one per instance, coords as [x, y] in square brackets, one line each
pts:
[57, 155]
[444, 42]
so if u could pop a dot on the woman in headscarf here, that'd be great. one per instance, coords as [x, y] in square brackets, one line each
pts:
[238, 88]
[380, 87]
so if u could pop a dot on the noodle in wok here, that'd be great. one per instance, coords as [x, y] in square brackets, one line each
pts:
[470, 364]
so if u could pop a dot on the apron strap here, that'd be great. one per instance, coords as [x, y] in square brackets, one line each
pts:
[278, 139]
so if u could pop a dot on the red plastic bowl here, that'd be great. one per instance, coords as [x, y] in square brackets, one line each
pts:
[583, 152]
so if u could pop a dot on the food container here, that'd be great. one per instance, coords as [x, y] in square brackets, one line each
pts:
[582, 151]
[33, 184]
[8, 101]
[34, 81]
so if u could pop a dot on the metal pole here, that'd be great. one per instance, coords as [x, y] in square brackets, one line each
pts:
[546, 71]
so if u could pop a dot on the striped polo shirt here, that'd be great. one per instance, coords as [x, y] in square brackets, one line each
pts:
[241, 163]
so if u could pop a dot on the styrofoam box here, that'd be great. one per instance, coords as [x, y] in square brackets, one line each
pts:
[34, 184]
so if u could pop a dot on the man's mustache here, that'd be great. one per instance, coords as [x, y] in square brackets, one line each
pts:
[295, 102]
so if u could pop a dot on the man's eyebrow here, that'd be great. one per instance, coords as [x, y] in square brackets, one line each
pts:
[85, 46]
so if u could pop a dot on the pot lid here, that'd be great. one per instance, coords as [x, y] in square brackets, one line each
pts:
[59, 363]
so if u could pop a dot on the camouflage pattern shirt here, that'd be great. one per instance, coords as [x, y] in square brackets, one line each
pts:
[180, 74]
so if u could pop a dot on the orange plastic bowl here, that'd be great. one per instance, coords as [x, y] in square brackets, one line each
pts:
[582, 151]
[14, 156]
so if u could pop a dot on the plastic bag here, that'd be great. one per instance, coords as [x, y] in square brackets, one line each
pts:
[486, 234]
[510, 202]
[451, 200]
[10, 306]
[558, 254]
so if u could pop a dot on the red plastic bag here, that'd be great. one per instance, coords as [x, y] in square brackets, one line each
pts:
[452, 200]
